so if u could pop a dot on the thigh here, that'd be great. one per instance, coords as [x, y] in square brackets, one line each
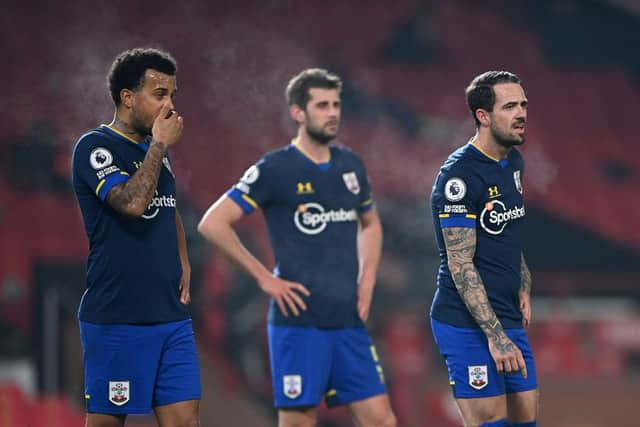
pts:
[300, 364]
[472, 371]
[356, 373]
[178, 377]
[103, 420]
[184, 413]
[522, 407]
[120, 364]
[297, 417]
[478, 411]
[374, 411]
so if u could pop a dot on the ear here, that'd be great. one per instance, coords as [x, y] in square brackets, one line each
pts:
[126, 97]
[483, 117]
[297, 113]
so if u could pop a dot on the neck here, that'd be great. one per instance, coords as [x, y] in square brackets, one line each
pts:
[316, 151]
[124, 126]
[488, 145]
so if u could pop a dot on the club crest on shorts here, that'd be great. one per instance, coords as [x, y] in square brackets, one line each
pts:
[119, 392]
[516, 180]
[478, 377]
[292, 386]
[351, 181]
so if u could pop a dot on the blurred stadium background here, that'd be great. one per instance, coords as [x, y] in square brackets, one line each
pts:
[405, 64]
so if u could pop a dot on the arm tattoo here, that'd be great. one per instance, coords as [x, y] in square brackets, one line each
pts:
[525, 283]
[133, 196]
[461, 247]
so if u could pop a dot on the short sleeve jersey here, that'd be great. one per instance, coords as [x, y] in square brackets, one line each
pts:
[311, 211]
[133, 268]
[473, 190]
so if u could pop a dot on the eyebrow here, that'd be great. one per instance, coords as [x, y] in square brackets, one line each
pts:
[512, 103]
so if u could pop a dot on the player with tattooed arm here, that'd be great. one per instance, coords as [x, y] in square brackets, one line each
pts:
[482, 303]
[135, 327]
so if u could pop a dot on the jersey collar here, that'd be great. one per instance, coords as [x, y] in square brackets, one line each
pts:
[501, 162]
[295, 142]
[144, 144]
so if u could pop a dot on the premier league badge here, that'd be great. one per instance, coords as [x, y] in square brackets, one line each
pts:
[455, 189]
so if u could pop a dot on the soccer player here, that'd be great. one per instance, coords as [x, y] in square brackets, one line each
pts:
[135, 327]
[327, 238]
[482, 302]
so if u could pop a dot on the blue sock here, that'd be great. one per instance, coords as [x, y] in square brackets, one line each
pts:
[530, 424]
[499, 423]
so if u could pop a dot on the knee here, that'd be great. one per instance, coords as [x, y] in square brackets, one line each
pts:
[191, 422]
[388, 421]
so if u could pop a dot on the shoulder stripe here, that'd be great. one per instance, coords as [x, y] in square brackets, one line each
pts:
[100, 184]
[250, 201]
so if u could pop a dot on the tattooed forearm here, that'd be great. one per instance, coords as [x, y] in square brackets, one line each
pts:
[133, 196]
[461, 246]
[525, 282]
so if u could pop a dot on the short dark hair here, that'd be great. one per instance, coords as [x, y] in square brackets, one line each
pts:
[480, 93]
[297, 91]
[128, 69]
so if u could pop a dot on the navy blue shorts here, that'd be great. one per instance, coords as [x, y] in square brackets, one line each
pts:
[308, 363]
[130, 369]
[472, 370]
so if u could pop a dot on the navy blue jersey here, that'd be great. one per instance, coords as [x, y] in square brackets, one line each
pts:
[311, 211]
[134, 270]
[476, 191]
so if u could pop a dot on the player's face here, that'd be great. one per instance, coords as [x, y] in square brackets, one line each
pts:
[322, 115]
[158, 89]
[509, 116]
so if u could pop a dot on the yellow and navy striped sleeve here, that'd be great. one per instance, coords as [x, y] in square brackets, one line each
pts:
[106, 184]
[246, 203]
[448, 220]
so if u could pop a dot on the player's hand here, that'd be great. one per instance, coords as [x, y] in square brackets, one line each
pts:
[185, 285]
[525, 308]
[167, 127]
[365, 295]
[286, 294]
[507, 356]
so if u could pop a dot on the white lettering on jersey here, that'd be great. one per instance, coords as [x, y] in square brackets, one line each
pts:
[311, 218]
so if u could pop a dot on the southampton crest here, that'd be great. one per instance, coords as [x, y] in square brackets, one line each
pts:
[516, 180]
[351, 181]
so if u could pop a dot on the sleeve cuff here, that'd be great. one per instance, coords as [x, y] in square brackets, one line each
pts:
[246, 203]
[105, 185]
[365, 206]
[452, 220]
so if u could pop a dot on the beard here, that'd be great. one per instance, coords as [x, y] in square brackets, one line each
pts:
[319, 135]
[139, 126]
[505, 139]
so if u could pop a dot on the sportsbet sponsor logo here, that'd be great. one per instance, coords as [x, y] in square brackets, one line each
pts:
[495, 216]
[157, 203]
[311, 218]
